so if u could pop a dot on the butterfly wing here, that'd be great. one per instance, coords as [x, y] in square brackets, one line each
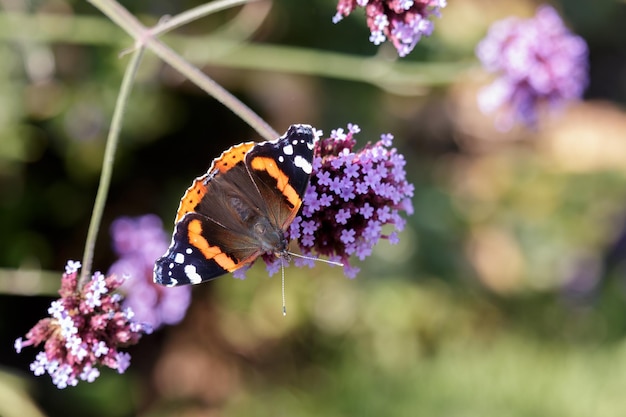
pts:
[281, 169]
[229, 159]
[213, 224]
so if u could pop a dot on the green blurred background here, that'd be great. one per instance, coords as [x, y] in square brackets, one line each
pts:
[506, 294]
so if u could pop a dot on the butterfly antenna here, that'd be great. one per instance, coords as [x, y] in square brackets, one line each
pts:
[282, 270]
[311, 258]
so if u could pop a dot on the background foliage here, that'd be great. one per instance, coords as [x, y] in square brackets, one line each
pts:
[505, 296]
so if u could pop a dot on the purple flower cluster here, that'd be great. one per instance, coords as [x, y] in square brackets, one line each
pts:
[404, 22]
[538, 60]
[138, 242]
[85, 328]
[350, 198]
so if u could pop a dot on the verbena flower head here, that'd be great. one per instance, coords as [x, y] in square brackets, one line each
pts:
[538, 61]
[85, 330]
[138, 242]
[354, 199]
[403, 22]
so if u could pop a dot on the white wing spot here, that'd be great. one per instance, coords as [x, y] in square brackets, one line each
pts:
[310, 145]
[179, 258]
[281, 159]
[188, 251]
[288, 150]
[192, 274]
[295, 141]
[301, 162]
[172, 283]
[171, 265]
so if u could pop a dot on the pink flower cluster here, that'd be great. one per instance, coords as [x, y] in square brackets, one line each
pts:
[138, 242]
[85, 329]
[351, 197]
[538, 62]
[403, 22]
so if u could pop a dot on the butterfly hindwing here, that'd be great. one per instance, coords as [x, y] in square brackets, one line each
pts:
[192, 258]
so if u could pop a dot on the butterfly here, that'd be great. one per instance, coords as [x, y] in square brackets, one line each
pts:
[239, 210]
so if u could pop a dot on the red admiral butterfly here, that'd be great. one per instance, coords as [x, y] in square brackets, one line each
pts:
[239, 210]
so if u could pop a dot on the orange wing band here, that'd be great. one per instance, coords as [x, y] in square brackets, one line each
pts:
[282, 181]
[208, 251]
[228, 159]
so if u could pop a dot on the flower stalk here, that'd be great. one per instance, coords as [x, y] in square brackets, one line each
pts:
[145, 37]
[107, 164]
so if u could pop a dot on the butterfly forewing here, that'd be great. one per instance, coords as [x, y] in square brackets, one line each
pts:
[281, 169]
[201, 186]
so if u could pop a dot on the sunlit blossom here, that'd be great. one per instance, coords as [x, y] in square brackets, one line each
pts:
[538, 62]
[354, 199]
[139, 242]
[80, 335]
[403, 22]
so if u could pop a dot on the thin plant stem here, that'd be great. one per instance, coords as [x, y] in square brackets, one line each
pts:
[107, 164]
[214, 89]
[402, 78]
[144, 37]
[398, 77]
[196, 13]
[29, 282]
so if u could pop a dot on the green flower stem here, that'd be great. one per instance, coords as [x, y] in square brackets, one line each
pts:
[107, 164]
[399, 77]
[29, 282]
[194, 14]
[144, 36]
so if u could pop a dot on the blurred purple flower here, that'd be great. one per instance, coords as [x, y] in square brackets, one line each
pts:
[404, 22]
[538, 60]
[85, 328]
[363, 191]
[138, 242]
